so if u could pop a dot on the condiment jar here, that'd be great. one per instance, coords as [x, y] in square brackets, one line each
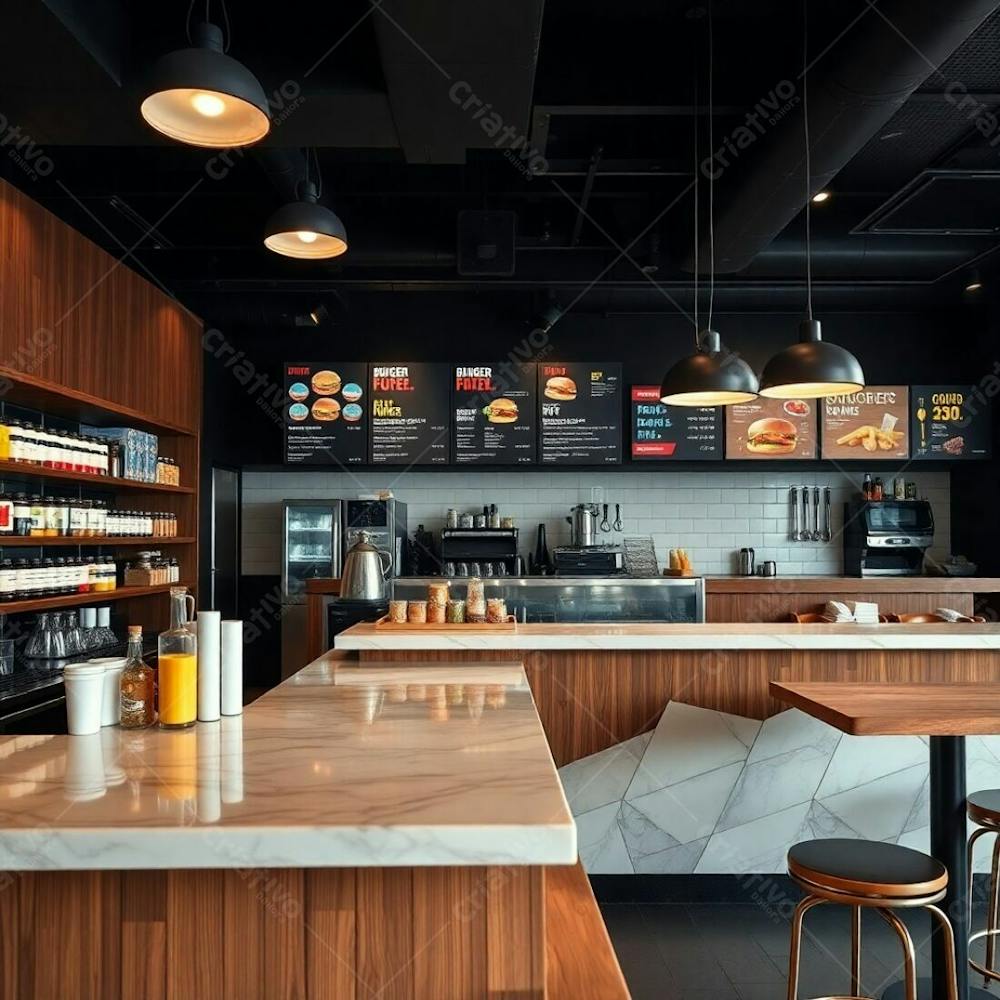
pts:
[6, 514]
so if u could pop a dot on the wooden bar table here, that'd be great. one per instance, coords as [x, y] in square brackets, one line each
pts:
[947, 713]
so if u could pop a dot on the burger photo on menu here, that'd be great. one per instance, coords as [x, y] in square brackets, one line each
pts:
[561, 388]
[325, 409]
[501, 411]
[772, 429]
[326, 383]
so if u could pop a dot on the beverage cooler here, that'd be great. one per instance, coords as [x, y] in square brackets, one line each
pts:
[311, 549]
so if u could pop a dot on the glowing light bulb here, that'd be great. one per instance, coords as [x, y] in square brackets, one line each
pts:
[820, 196]
[307, 237]
[208, 105]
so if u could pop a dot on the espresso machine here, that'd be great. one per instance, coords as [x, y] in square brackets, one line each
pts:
[887, 537]
[586, 555]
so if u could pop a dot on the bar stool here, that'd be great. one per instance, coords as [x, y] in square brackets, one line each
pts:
[984, 810]
[865, 874]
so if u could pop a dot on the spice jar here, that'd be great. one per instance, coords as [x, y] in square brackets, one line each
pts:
[22, 515]
[397, 612]
[6, 514]
[496, 610]
[455, 612]
[416, 612]
[435, 613]
[37, 517]
[475, 601]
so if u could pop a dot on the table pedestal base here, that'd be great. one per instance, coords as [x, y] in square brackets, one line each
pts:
[925, 991]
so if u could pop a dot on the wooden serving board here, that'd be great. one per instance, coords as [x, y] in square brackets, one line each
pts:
[384, 625]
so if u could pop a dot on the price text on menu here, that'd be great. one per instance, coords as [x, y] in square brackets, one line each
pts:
[682, 433]
[493, 414]
[580, 412]
[950, 422]
[326, 413]
[411, 414]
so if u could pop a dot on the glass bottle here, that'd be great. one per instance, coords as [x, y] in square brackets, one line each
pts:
[178, 664]
[137, 685]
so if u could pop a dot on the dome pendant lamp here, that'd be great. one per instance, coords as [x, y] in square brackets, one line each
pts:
[202, 97]
[709, 377]
[306, 229]
[812, 368]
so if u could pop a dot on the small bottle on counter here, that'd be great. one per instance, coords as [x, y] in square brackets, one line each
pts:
[911, 491]
[899, 488]
[137, 685]
[877, 489]
[867, 486]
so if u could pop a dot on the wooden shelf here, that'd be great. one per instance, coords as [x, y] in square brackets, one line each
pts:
[73, 600]
[30, 541]
[109, 482]
[35, 393]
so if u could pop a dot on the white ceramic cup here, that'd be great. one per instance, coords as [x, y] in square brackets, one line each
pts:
[84, 685]
[111, 713]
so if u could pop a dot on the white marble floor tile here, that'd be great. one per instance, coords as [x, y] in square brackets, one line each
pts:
[689, 741]
[602, 777]
[679, 860]
[600, 842]
[757, 847]
[790, 730]
[774, 784]
[691, 809]
[879, 809]
[859, 760]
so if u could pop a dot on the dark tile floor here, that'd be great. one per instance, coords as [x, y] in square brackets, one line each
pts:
[740, 951]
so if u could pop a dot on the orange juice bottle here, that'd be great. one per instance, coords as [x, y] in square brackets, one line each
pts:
[177, 665]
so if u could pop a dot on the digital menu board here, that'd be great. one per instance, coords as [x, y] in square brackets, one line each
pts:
[326, 413]
[682, 433]
[580, 413]
[410, 413]
[493, 414]
[950, 421]
[872, 422]
[772, 429]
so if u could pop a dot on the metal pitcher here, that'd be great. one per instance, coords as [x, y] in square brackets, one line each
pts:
[366, 570]
[584, 524]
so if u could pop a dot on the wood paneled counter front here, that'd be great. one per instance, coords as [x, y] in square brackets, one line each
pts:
[380, 826]
[599, 685]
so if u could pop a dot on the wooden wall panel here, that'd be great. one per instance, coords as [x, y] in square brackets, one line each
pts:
[195, 913]
[330, 935]
[385, 948]
[283, 902]
[75, 316]
[144, 935]
[242, 937]
[775, 607]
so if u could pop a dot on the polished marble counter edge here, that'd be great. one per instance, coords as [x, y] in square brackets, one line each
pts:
[702, 636]
[339, 766]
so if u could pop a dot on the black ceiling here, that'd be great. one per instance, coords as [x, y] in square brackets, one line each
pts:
[605, 92]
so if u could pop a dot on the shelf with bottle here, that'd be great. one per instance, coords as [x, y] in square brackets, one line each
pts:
[8, 468]
[69, 601]
[44, 519]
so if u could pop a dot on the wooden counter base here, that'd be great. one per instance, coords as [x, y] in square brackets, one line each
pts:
[591, 700]
[276, 934]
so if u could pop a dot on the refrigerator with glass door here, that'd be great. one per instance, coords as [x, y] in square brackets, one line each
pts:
[311, 549]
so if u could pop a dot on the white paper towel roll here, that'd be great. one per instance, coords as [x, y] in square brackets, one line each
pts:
[232, 668]
[209, 665]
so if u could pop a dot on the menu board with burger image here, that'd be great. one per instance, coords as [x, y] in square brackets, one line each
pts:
[325, 413]
[874, 422]
[410, 413]
[581, 413]
[493, 414]
[772, 429]
[950, 422]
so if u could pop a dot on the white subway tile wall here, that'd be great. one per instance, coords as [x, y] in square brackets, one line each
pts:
[711, 514]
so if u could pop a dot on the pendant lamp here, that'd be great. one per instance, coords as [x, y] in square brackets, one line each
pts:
[709, 377]
[202, 97]
[306, 229]
[812, 368]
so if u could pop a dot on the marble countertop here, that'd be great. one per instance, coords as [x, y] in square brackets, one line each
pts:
[754, 635]
[342, 765]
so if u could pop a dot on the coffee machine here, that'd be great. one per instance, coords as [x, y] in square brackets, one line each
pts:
[386, 526]
[887, 537]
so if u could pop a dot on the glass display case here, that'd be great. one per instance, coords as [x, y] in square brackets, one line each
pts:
[311, 545]
[593, 600]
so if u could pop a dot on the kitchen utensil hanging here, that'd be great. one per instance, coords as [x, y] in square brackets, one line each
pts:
[618, 517]
[605, 524]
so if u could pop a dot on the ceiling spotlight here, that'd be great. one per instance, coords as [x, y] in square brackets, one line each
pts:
[306, 229]
[319, 315]
[973, 281]
[820, 196]
[202, 97]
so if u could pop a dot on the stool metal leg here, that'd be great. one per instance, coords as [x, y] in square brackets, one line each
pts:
[795, 949]
[987, 970]
[856, 951]
[949, 936]
[909, 955]
[991, 915]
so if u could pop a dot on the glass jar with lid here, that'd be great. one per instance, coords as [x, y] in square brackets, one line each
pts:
[6, 514]
[37, 517]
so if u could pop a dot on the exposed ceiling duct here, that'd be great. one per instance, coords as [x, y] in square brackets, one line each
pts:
[854, 89]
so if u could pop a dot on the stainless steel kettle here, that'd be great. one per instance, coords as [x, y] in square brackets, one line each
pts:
[366, 570]
[584, 524]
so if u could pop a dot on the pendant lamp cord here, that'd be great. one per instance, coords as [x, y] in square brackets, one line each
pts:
[711, 178]
[805, 130]
[697, 111]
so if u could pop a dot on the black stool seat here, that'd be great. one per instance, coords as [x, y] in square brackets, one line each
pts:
[984, 807]
[867, 868]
